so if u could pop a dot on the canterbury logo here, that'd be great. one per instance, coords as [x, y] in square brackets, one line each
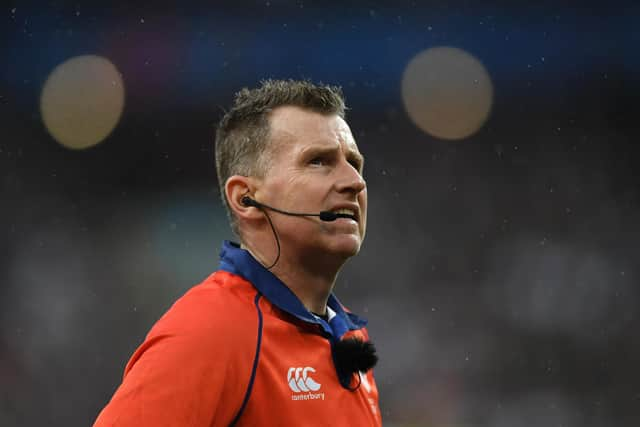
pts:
[299, 380]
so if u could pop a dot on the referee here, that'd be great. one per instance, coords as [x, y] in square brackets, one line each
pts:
[264, 341]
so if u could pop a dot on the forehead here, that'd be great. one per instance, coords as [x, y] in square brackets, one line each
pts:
[294, 128]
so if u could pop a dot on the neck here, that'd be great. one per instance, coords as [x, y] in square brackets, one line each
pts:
[312, 282]
[311, 287]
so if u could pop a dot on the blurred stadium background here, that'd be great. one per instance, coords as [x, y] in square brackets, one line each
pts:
[501, 265]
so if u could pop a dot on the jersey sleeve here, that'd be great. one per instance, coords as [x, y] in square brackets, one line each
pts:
[192, 370]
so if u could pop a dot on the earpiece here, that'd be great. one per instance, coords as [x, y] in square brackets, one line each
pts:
[248, 201]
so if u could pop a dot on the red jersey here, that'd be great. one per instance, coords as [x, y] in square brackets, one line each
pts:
[241, 349]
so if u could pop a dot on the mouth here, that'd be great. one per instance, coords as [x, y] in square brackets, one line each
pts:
[346, 213]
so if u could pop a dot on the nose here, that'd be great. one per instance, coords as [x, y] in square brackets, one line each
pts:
[350, 180]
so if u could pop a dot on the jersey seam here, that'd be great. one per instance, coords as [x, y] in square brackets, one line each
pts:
[255, 362]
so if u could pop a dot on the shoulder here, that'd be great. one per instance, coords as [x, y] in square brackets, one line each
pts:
[217, 303]
[219, 312]
[208, 337]
[215, 318]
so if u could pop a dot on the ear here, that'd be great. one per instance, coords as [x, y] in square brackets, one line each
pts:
[236, 187]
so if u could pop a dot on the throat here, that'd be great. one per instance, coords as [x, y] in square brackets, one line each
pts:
[324, 316]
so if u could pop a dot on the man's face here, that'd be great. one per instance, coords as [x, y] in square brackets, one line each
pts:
[315, 166]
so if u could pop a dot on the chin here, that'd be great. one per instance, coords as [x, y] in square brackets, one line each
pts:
[347, 247]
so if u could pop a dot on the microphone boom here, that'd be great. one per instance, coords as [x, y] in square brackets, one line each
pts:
[327, 216]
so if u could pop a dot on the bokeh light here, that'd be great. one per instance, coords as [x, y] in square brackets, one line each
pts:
[82, 101]
[447, 92]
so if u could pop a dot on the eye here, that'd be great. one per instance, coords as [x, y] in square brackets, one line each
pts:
[317, 161]
[357, 164]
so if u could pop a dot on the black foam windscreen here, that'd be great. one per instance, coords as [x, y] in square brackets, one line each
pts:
[353, 355]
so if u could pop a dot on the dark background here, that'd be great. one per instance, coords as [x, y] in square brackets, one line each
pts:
[500, 271]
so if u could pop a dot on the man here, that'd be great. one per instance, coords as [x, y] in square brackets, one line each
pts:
[263, 341]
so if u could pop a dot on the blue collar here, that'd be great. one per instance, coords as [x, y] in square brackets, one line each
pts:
[238, 261]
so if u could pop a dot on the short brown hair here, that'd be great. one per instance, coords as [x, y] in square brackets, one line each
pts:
[243, 134]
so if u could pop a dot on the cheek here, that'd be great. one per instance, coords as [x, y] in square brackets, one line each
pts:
[363, 209]
[286, 191]
[362, 199]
